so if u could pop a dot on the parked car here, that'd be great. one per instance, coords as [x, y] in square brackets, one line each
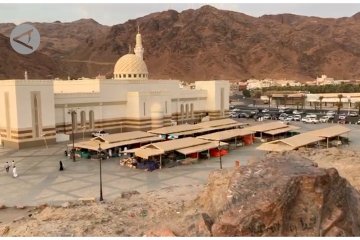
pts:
[342, 116]
[265, 110]
[324, 119]
[282, 117]
[267, 116]
[311, 116]
[99, 133]
[289, 118]
[296, 112]
[243, 115]
[310, 120]
[234, 114]
[358, 122]
[330, 113]
[353, 114]
[297, 117]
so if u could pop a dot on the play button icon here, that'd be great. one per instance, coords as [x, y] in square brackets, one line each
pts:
[25, 38]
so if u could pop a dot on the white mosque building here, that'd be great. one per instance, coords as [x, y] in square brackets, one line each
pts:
[34, 111]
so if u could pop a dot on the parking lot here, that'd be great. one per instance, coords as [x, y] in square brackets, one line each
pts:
[41, 181]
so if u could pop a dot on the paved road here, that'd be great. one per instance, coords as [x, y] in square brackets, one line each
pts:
[40, 181]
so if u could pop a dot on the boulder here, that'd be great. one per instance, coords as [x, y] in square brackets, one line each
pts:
[281, 195]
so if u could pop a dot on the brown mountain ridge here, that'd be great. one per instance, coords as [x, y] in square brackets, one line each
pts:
[202, 44]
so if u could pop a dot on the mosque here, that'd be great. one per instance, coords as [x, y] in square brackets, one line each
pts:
[34, 111]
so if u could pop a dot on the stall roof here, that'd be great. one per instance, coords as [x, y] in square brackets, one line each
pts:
[175, 129]
[216, 123]
[329, 132]
[202, 130]
[120, 137]
[301, 140]
[267, 126]
[227, 134]
[176, 144]
[201, 148]
[94, 144]
[145, 153]
[282, 130]
[275, 146]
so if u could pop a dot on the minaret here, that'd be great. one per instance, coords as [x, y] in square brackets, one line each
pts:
[139, 50]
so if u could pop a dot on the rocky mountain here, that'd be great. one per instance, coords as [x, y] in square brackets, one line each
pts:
[208, 43]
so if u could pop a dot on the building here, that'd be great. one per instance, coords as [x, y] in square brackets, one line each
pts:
[34, 111]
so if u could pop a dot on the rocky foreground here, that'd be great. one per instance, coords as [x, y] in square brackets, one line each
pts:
[280, 195]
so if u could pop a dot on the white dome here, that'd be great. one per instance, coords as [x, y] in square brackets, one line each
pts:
[130, 66]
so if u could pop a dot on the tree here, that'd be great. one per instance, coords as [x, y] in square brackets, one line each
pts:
[303, 98]
[357, 105]
[246, 93]
[285, 99]
[339, 104]
[320, 100]
[269, 98]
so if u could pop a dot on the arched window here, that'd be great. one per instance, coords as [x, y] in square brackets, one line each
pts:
[134, 75]
[83, 118]
[124, 75]
[91, 119]
[119, 75]
[187, 111]
[192, 110]
[129, 75]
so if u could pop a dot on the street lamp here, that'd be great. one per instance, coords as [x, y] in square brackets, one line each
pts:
[219, 148]
[349, 102]
[73, 121]
[100, 159]
[43, 135]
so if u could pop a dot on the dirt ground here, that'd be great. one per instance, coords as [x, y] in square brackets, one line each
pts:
[147, 214]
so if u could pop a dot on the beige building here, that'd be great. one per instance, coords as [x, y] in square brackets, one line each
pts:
[34, 111]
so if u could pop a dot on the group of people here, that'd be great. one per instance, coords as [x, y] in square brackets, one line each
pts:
[7, 168]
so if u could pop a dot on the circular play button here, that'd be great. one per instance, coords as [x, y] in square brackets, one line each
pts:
[25, 38]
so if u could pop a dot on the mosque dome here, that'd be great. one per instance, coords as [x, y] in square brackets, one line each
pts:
[130, 66]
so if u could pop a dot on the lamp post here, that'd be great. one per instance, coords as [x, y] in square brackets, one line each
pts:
[43, 135]
[219, 148]
[100, 159]
[73, 121]
[349, 102]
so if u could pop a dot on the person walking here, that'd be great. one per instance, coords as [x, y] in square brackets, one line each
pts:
[61, 166]
[13, 164]
[7, 167]
[15, 175]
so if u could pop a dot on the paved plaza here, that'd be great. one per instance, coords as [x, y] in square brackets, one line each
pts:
[40, 180]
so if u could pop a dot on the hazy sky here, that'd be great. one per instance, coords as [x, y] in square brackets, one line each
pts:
[111, 14]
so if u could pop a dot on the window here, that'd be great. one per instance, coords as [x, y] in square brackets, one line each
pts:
[143, 75]
[74, 120]
[187, 110]
[83, 118]
[134, 75]
[129, 75]
[119, 75]
[182, 111]
[91, 119]
[124, 75]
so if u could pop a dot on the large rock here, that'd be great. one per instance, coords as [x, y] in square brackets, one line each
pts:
[283, 195]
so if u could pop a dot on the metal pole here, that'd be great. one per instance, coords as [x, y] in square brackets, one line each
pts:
[100, 159]
[73, 142]
[220, 156]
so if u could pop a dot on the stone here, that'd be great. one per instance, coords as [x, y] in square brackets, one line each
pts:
[164, 232]
[4, 230]
[280, 195]
[65, 205]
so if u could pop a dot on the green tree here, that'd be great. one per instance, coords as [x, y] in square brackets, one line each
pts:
[320, 101]
[269, 98]
[246, 93]
[339, 104]
[357, 105]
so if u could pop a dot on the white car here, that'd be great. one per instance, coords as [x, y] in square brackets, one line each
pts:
[324, 119]
[265, 110]
[330, 113]
[311, 116]
[297, 117]
[342, 117]
[289, 118]
[296, 112]
[100, 133]
[353, 114]
[310, 120]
